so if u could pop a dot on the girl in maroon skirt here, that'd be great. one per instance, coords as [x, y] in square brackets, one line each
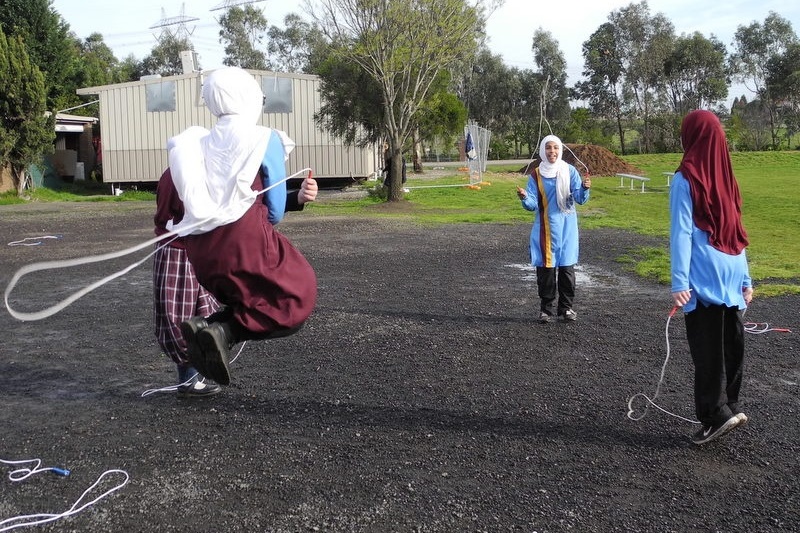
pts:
[267, 287]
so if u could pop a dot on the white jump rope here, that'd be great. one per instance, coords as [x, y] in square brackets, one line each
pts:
[756, 328]
[52, 265]
[23, 473]
[80, 504]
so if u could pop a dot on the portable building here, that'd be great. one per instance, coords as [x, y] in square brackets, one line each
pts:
[137, 118]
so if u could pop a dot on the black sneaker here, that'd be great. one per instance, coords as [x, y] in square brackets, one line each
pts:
[193, 385]
[215, 343]
[709, 433]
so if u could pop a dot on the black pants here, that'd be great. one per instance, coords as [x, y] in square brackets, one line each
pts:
[716, 342]
[554, 282]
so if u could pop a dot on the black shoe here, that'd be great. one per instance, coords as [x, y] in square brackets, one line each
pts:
[709, 433]
[194, 385]
[215, 343]
[544, 318]
[190, 329]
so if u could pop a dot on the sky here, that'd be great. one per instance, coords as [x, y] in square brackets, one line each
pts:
[128, 26]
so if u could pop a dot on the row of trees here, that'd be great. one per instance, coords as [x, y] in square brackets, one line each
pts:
[411, 73]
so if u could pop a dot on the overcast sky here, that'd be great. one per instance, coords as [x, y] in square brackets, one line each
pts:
[127, 25]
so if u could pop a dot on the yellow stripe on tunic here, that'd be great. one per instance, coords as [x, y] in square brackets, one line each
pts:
[545, 241]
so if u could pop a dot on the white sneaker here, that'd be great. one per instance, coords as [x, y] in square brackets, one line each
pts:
[569, 316]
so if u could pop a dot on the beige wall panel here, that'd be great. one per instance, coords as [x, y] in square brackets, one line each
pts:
[134, 140]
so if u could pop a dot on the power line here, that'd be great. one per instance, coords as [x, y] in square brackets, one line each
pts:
[227, 4]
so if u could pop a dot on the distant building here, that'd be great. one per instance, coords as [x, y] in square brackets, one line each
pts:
[137, 118]
[73, 157]
[75, 153]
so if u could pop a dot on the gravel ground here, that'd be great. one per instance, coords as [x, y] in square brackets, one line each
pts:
[420, 396]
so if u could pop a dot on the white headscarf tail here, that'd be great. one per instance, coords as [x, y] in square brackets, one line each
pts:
[214, 172]
[558, 170]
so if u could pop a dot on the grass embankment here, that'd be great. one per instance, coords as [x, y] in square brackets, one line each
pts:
[769, 182]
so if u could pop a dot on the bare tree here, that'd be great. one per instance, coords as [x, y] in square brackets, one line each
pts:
[403, 46]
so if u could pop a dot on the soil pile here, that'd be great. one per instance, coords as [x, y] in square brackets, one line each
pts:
[599, 161]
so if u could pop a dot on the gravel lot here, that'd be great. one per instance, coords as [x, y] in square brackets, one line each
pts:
[420, 396]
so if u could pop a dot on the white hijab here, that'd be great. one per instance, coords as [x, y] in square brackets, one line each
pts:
[213, 171]
[558, 171]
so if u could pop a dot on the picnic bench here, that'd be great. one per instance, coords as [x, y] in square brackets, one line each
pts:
[632, 177]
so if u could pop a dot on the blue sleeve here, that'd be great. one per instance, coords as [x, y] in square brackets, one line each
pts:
[579, 194]
[273, 168]
[748, 281]
[680, 234]
[531, 202]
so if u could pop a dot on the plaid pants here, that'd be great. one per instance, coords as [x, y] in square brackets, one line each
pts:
[178, 296]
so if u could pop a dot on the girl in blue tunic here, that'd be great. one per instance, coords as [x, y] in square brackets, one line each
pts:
[552, 192]
[710, 276]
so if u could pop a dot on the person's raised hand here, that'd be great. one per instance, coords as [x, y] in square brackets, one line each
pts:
[308, 191]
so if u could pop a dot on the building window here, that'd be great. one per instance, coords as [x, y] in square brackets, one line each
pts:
[160, 96]
[277, 94]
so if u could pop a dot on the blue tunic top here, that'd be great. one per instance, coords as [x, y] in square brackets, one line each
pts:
[714, 277]
[554, 236]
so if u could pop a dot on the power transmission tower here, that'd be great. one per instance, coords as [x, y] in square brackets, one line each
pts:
[174, 27]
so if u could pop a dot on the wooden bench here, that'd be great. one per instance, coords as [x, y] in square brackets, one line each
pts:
[632, 177]
[669, 176]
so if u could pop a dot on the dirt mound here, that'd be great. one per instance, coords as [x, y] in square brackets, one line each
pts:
[600, 161]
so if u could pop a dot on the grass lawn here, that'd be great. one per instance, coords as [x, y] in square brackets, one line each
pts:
[769, 182]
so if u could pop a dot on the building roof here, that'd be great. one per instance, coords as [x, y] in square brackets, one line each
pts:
[72, 123]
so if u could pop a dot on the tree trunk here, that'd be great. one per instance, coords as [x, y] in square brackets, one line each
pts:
[417, 155]
[20, 180]
[395, 178]
[621, 135]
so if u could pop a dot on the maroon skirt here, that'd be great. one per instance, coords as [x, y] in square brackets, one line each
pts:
[254, 270]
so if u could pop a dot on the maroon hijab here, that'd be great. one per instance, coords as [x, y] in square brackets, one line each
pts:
[706, 164]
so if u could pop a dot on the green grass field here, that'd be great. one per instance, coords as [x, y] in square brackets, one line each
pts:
[769, 182]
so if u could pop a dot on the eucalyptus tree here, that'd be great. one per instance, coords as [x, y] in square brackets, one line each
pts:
[351, 104]
[99, 65]
[242, 31]
[696, 73]
[487, 89]
[527, 124]
[783, 78]
[755, 45]
[290, 47]
[644, 43]
[748, 127]
[553, 94]
[442, 117]
[165, 57]
[605, 73]
[403, 46]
